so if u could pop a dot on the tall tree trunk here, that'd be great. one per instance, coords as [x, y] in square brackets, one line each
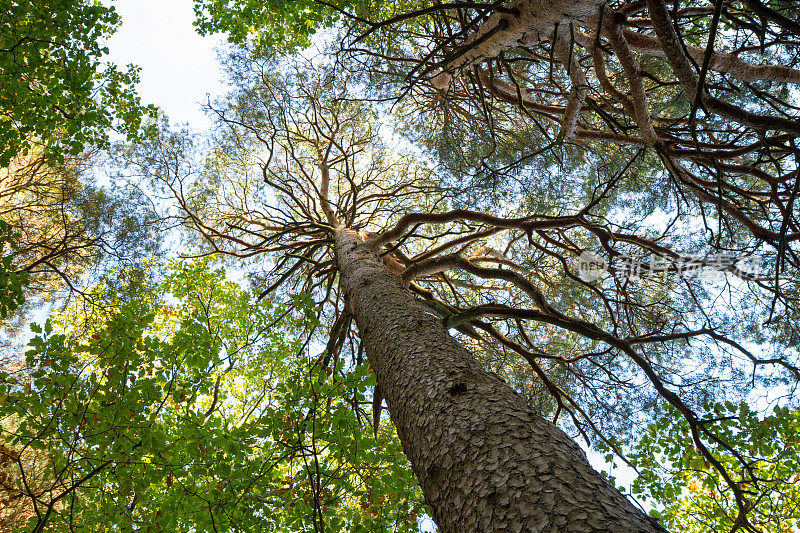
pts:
[484, 460]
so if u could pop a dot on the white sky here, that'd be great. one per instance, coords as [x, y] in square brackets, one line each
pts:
[179, 67]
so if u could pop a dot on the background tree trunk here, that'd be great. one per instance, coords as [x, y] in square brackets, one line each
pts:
[484, 460]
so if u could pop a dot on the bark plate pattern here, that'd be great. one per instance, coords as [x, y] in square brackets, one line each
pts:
[485, 461]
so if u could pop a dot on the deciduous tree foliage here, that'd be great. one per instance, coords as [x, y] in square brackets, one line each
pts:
[56, 90]
[12, 282]
[185, 404]
[684, 482]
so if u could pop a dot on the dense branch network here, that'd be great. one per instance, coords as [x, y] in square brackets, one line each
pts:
[296, 158]
[714, 104]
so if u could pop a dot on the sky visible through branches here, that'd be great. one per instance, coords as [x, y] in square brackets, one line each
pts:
[180, 71]
[528, 228]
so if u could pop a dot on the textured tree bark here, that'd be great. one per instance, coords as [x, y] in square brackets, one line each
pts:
[484, 460]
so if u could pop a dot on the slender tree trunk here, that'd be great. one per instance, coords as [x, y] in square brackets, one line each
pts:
[484, 460]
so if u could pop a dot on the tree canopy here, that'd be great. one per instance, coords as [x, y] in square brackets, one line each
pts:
[61, 102]
[598, 200]
[183, 403]
[55, 87]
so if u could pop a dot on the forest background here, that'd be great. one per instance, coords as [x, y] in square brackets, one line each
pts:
[511, 225]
